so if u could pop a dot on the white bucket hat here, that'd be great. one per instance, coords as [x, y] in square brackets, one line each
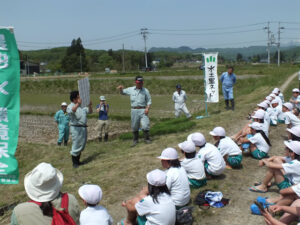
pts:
[218, 131]
[157, 178]
[64, 104]
[296, 90]
[259, 114]
[288, 105]
[90, 193]
[255, 126]
[294, 130]
[269, 98]
[168, 154]
[293, 145]
[43, 183]
[198, 139]
[102, 98]
[263, 104]
[187, 146]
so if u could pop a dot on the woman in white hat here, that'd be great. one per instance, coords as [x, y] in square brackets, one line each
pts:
[285, 174]
[91, 195]
[42, 186]
[227, 147]
[153, 205]
[259, 142]
[177, 180]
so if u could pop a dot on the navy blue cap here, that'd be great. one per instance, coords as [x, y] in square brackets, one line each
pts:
[178, 86]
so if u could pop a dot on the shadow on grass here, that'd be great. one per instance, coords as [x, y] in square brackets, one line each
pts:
[220, 177]
[90, 158]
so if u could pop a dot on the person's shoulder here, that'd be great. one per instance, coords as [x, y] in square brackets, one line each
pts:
[25, 207]
[145, 89]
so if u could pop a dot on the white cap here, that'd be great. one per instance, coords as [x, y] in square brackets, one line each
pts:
[267, 102]
[102, 98]
[168, 154]
[218, 131]
[296, 90]
[272, 95]
[275, 101]
[157, 178]
[293, 145]
[43, 183]
[64, 104]
[276, 91]
[198, 139]
[189, 138]
[255, 126]
[259, 114]
[269, 98]
[90, 193]
[187, 146]
[263, 105]
[288, 105]
[294, 130]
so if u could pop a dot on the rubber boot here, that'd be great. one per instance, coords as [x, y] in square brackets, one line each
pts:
[75, 162]
[106, 137]
[78, 160]
[135, 138]
[227, 104]
[100, 139]
[65, 143]
[59, 144]
[147, 137]
[232, 104]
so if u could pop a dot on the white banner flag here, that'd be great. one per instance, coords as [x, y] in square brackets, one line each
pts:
[84, 91]
[211, 77]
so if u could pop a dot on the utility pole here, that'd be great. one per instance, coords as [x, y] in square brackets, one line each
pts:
[269, 41]
[278, 43]
[123, 60]
[80, 63]
[144, 33]
[27, 65]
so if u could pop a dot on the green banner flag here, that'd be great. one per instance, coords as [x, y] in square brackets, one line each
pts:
[9, 106]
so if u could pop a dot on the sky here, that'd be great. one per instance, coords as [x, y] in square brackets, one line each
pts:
[107, 24]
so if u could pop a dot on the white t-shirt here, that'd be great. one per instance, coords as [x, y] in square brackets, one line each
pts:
[265, 127]
[260, 142]
[178, 185]
[194, 168]
[292, 171]
[291, 118]
[163, 212]
[228, 147]
[179, 99]
[97, 215]
[296, 189]
[211, 154]
[279, 100]
[267, 118]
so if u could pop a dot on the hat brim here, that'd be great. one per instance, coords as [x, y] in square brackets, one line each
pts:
[291, 131]
[213, 133]
[166, 158]
[39, 195]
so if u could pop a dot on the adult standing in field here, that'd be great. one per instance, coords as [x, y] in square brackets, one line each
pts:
[228, 80]
[62, 119]
[179, 98]
[102, 109]
[78, 123]
[140, 104]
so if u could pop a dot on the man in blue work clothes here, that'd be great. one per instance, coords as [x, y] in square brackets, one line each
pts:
[228, 80]
[62, 119]
[140, 104]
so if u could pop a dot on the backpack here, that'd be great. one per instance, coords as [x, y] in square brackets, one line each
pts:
[184, 216]
[61, 217]
[202, 202]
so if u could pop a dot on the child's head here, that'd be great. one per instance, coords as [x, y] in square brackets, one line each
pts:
[263, 105]
[255, 126]
[295, 92]
[293, 149]
[259, 116]
[64, 106]
[273, 96]
[218, 133]
[287, 107]
[102, 99]
[276, 91]
[294, 133]
[275, 103]
[198, 139]
[157, 184]
[169, 158]
[91, 194]
[269, 98]
[188, 148]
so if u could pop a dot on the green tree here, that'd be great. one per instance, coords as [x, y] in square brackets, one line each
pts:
[105, 60]
[239, 57]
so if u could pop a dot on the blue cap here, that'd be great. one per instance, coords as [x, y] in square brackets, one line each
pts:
[178, 86]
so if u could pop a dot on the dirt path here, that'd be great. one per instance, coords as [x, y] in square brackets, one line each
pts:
[287, 82]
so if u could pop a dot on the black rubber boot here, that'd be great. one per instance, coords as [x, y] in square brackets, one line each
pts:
[232, 104]
[147, 137]
[135, 138]
[59, 144]
[75, 162]
[65, 143]
[106, 137]
[78, 160]
[100, 139]
[227, 104]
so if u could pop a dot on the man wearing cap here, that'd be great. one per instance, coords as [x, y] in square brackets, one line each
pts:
[179, 98]
[140, 105]
[43, 187]
[228, 80]
[295, 99]
[78, 122]
[103, 124]
[62, 119]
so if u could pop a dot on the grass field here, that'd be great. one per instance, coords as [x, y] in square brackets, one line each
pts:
[121, 170]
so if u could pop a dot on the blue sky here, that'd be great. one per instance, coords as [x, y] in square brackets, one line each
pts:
[44, 24]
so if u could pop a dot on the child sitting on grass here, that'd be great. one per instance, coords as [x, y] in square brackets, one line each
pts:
[177, 180]
[259, 142]
[291, 120]
[285, 173]
[93, 214]
[214, 163]
[294, 133]
[227, 147]
[153, 205]
[192, 165]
